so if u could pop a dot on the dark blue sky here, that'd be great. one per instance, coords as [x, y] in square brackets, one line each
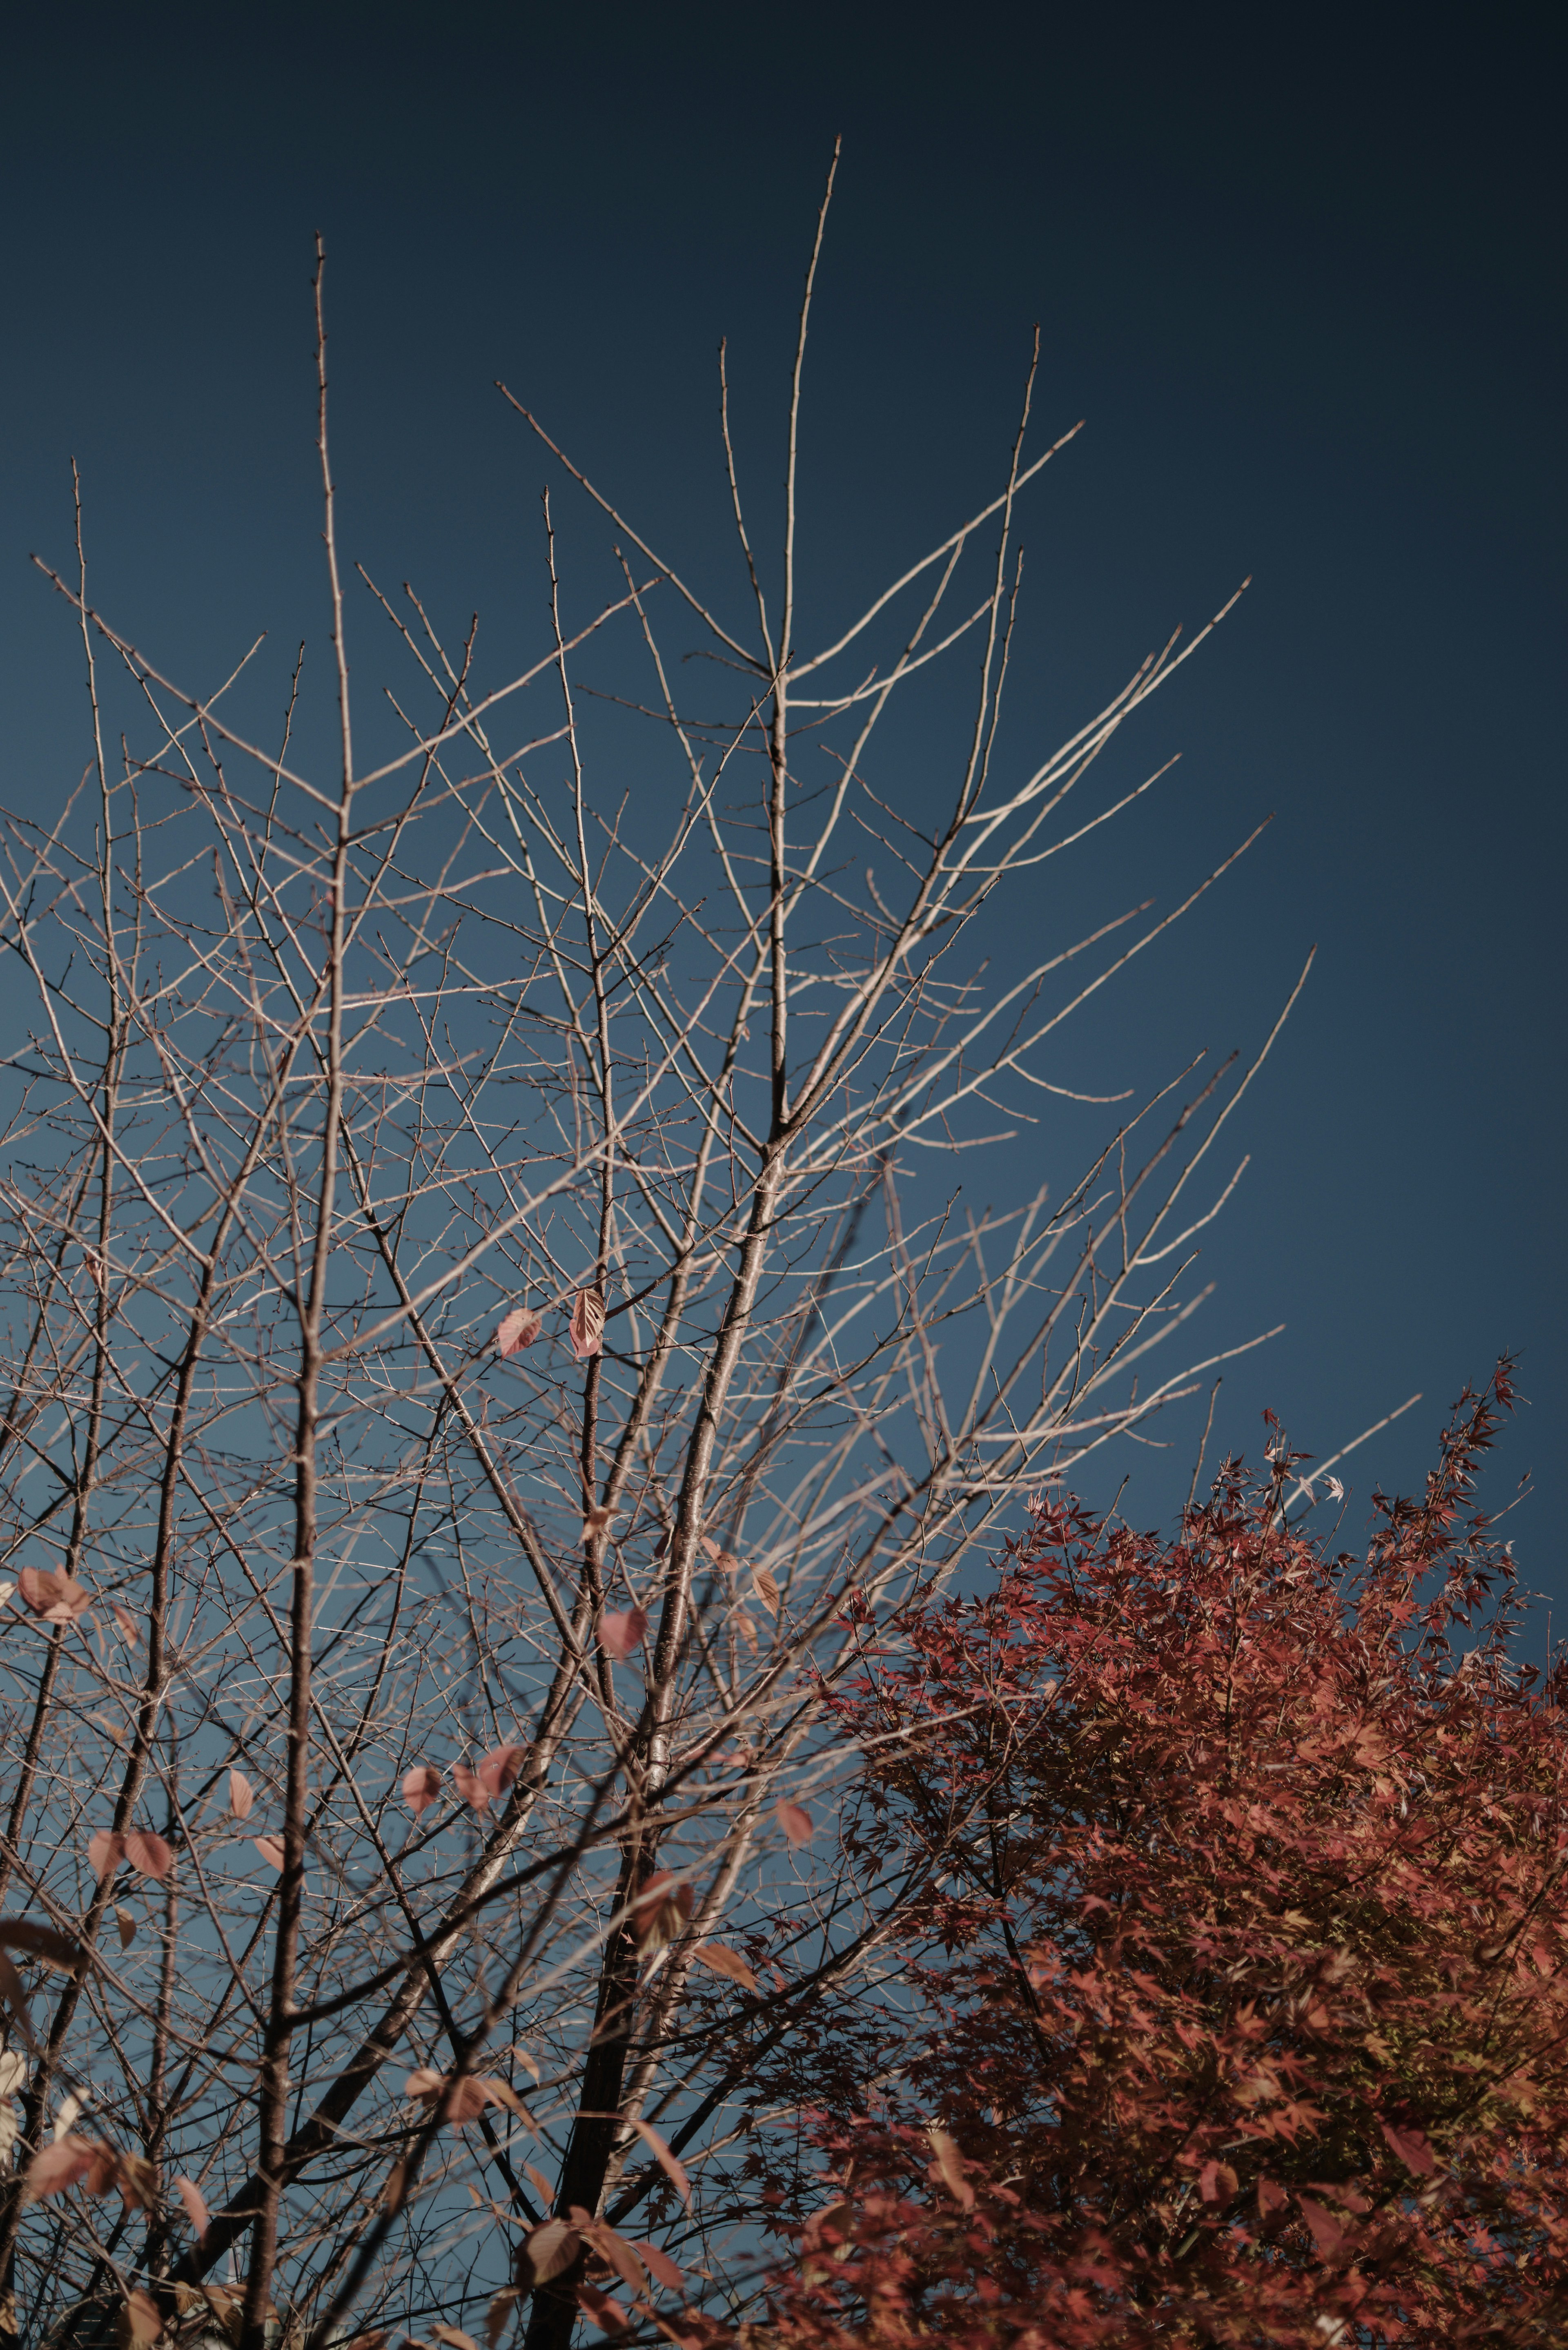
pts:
[1302, 273]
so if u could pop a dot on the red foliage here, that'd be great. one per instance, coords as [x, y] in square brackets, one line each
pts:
[1240, 1978]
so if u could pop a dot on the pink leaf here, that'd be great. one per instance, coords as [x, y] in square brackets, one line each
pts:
[950, 2162]
[148, 1854]
[271, 1850]
[195, 2204]
[57, 1598]
[660, 2264]
[241, 1795]
[796, 1823]
[421, 1785]
[54, 2168]
[620, 1634]
[105, 1852]
[608, 2314]
[127, 1623]
[1327, 2234]
[470, 1787]
[518, 1329]
[499, 1768]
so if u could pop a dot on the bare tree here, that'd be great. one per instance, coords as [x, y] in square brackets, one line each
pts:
[486, 1310]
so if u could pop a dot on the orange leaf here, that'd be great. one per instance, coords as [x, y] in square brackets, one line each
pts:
[950, 2162]
[57, 1598]
[498, 1769]
[195, 2204]
[518, 1329]
[241, 1796]
[271, 1850]
[725, 1962]
[587, 1324]
[796, 1823]
[421, 1785]
[621, 1633]
[148, 1854]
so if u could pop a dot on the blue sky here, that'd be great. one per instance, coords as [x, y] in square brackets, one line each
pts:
[1302, 277]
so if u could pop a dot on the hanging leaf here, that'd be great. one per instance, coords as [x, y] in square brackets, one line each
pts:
[541, 2184]
[766, 1588]
[1271, 2198]
[241, 1796]
[105, 1852]
[660, 2264]
[950, 2162]
[44, 1942]
[1410, 2146]
[746, 1628]
[127, 1623]
[270, 1848]
[518, 1329]
[455, 2336]
[608, 2314]
[54, 2168]
[125, 1925]
[460, 2101]
[421, 1785]
[547, 2250]
[140, 2321]
[671, 2164]
[148, 1854]
[57, 1598]
[621, 1633]
[659, 1913]
[71, 2107]
[496, 2317]
[795, 1821]
[587, 1324]
[195, 2204]
[595, 1522]
[499, 1768]
[725, 1962]
[470, 1786]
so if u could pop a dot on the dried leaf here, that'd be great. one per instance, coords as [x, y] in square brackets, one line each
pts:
[795, 1821]
[669, 2163]
[12, 2072]
[496, 2317]
[54, 2168]
[541, 2183]
[518, 1329]
[725, 1962]
[548, 2251]
[499, 1768]
[105, 1852]
[746, 1628]
[70, 2107]
[44, 1942]
[195, 2204]
[125, 1925]
[1410, 2146]
[587, 1324]
[396, 2187]
[661, 1910]
[1327, 2234]
[950, 2162]
[470, 1786]
[660, 2264]
[15, 1998]
[270, 1848]
[621, 1633]
[455, 2336]
[766, 1588]
[608, 2314]
[127, 1623]
[1271, 2198]
[57, 1598]
[241, 1796]
[148, 1854]
[140, 2321]
[422, 1786]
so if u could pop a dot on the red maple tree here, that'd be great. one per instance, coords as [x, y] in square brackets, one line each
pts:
[1240, 1989]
